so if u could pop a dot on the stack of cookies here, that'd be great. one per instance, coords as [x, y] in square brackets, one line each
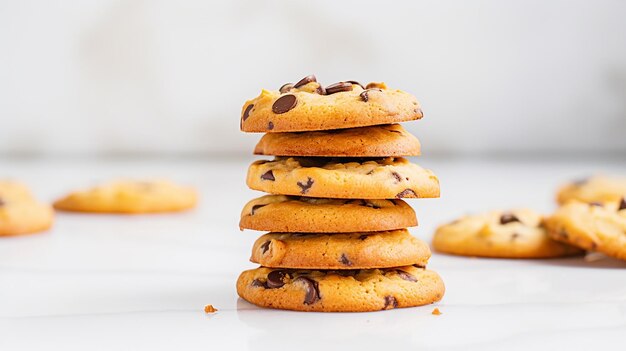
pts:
[338, 239]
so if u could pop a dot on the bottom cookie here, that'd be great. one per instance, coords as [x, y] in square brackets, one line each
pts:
[340, 290]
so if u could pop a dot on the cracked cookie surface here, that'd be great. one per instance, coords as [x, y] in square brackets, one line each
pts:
[384, 178]
[594, 227]
[20, 212]
[298, 214]
[340, 291]
[500, 234]
[308, 106]
[340, 251]
[599, 188]
[130, 197]
[374, 141]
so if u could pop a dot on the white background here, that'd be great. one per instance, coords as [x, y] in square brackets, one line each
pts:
[155, 77]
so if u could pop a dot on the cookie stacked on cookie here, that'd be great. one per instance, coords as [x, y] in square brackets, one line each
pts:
[337, 236]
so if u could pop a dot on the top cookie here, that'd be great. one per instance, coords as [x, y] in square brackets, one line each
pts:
[131, 197]
[388, 140]
[598, 188]
[307, 106]
[20, 212]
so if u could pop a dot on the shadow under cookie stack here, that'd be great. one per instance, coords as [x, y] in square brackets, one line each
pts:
[338, 240]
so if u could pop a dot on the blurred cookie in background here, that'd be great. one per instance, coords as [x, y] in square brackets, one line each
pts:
[597, 227]
[20, 212]
[598, 188]
[130, 197]
[500, 234]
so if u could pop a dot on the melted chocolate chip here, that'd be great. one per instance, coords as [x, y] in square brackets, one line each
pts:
[344, 260]
[258, 283]
[390, 302]
[397, 176]
[284, 104]
[338, 87]
[406, 193]
[312, 294]
[419, 266]
[275, 279]
[320, 90]
[266, 246]
[286, 88]
[622, 204]
[270, 125]
[363, 237]
[365, 94]
[306, 186]
[355, 83]
[581, 181]
[256, 207]
[306, 80]
[246, 112]
[508, 218]
[347, 272]
[406, 276]
[269, 175]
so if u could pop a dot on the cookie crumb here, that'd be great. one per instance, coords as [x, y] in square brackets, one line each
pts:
[436, 312]
[209, 309]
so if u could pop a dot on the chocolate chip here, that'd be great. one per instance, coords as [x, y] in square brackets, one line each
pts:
[300, 235]
[390, 302]
[419, 266]
[406, 193]
[622, 204]
[397, 176]
[338, 87]
[508, 218]
[284, 104]
[347, 272]
[312, 290]
[363, 237]
[306, 80]
[258, 283]
[275, 279]
[256, 207]
[597, 204]
[286, 88]
[266, 246]
[344, 260]
[366, 97]
[269, 175]
[406, 276]
[305, 187]
[370, 172]
[246, 112]
[355, 83]
[270, 125]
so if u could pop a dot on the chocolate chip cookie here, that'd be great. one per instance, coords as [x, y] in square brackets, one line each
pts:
[384, 178]
[596, 227]
[342, 290]
[500, 234]
[599, 188]
[309, 106]
[340, 251]
[20, 212]
[374, 141]
[297, 214]
[130, 197]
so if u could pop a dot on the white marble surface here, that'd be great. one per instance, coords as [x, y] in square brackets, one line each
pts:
[99, 282]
